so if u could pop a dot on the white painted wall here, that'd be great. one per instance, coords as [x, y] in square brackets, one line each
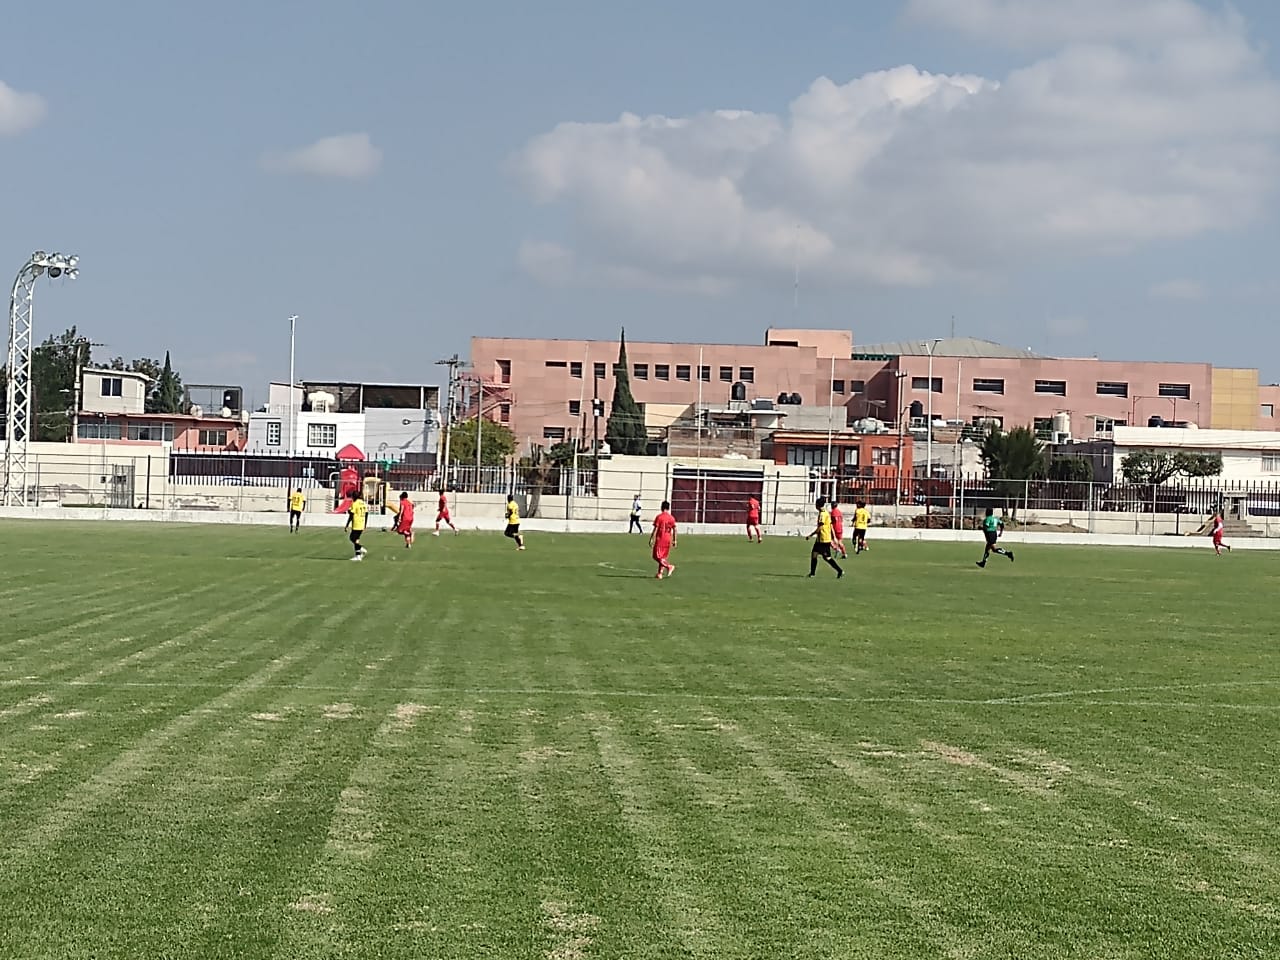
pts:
[133, 392]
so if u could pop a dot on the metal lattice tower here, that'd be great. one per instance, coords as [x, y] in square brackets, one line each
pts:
[18, 388]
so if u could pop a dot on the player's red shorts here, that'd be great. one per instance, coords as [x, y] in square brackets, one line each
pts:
[753, 519]
[838, 532]
[661, 551]
[406, 532]
[442, 515]
[1217, 539]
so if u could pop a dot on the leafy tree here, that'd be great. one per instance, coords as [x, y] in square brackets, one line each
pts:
[1156, 467]
[1071, 470]
[497, 442]
[1012, 459]
[53, 380]
[167, 395]
[625, 431]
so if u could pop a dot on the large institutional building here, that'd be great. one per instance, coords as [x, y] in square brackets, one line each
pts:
[543, 388]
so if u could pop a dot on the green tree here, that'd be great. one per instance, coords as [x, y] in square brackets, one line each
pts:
[1071, 469]
[1156, 467]
[497, 442]
[167, 395]
[625, 431]
[53, 380]
[1011, 460]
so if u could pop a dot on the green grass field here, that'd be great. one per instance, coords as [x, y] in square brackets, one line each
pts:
[232, 742]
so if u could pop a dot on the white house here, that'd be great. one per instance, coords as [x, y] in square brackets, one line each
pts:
[325, 424]
[1247, 455]
[113, 391]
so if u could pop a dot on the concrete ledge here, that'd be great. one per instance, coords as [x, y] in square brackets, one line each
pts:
[495, 525]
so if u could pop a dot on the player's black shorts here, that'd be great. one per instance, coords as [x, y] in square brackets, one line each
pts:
[992, 537]
[355, 535]
[513, 530]
[859, 535]
[295, 514]
[822, 549]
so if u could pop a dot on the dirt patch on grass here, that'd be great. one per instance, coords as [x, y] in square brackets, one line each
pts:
[542, 754]
[468, 718]
[313, 903]
[718, 723]
[24, 705]
[71, 714]
[266, 717]
[572, 930]
[339, 711]
[406, 715]
[1023, 773]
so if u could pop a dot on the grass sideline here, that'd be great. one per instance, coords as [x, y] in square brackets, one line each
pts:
[232, 742]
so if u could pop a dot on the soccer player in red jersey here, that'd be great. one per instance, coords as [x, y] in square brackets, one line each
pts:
[442, 513]
[837, 530]
[1218, 529]
[753, 519]
[404, 520]
[663, 539]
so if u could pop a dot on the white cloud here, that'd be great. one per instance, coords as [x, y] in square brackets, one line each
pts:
[903, 177]
[1178, 290]
[19, 111]
[350, 156]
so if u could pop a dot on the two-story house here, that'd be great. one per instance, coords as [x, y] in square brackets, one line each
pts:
[113, 406]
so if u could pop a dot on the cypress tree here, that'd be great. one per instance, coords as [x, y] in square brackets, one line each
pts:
[625, 431]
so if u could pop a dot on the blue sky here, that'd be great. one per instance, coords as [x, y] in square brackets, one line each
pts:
[1095, 182]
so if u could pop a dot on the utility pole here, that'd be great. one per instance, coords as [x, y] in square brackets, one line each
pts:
[595, 415]
[452, 363]
[479, 424]
[78, 387]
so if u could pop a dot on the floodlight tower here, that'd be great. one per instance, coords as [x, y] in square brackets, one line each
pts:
[18, 389]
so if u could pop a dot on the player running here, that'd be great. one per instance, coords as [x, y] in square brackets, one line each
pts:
[663, 540]
[404, 520]
[753, 519]
[357, 518]
[513, 522]
[837, 530]
[442, 513]
[636, 512]
[1217, 530]
[297, 503]
[992, 528]
[822, 546]
[861, 521]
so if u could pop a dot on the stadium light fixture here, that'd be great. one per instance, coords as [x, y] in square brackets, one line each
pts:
[21, 344]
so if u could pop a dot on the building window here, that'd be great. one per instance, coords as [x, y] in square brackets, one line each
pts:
[599, 371]
[1043, 427]
[640, 371]
[683, 371]
[704, 374]
[575, 408]
[806, 456]
[1056, 388]
[1271, 462]
[103, 430]
[837, 386]
[322, 434]
[273, 433]
[575, 369]
[922, 383]
[884, 456]
[112, 386]
[1109, 388]
[557, 363]
[857, 387]
[504, 412]
[661, 371]
[987, 385]
[213, 438]
[726, 374]
[1178, 391]
[1268, 410]
[504, 371]
[747, 374]
[1106, 424]
[150, 431]
[553, 433]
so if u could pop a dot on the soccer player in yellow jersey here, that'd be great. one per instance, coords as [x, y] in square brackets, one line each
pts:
[861, 520]
[357, 518]
[297, 503]
[513, 522]
[822, 547]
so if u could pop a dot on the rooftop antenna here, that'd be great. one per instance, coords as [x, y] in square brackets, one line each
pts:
[795, 306]
[953, 326]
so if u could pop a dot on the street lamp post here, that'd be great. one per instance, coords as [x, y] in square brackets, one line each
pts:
[897, 500]
[293, 407]
[928, 437]
[18, 389]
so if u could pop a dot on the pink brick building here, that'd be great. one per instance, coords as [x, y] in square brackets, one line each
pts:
[543, 388]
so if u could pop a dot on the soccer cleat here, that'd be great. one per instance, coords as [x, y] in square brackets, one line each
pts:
[839, 574]
[1011, 556]
[435, 533]
[982, 563]
[671, 570]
